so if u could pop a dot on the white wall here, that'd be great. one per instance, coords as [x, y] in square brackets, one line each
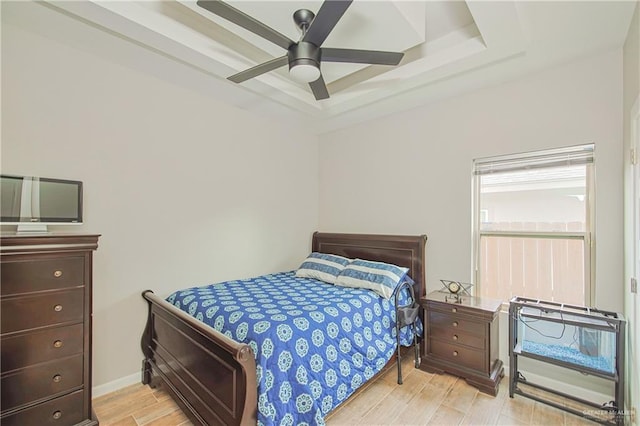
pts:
[411, 172]
[184, 190]
[631, 84]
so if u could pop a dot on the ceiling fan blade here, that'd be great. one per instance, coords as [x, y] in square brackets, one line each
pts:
[327, 17]
[319, 89]
[245, 21]
[374, 57]
[259, 69]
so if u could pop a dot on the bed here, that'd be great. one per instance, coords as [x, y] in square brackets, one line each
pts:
[213, 377]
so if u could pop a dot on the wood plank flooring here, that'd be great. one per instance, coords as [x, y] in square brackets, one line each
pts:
[423, 399]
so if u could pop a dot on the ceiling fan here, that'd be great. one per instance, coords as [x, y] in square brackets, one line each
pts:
[304, 56]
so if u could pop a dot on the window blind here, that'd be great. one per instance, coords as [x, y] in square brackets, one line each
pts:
[575, 155]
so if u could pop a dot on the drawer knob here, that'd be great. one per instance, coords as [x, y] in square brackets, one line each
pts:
[57, 308]
[454, 310]
[57, 344]
[57, 378]
[455, 323]
[57, 415]
[455, 337]
[455, 353]
[57, 273]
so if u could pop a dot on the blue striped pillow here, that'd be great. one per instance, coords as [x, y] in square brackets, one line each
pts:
[383, 278]
[322, 266]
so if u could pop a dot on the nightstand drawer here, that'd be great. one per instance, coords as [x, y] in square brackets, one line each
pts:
[26, 276]
[65, 410]
[33, 383]
[451, 335]
[459, 355]
[31, 348]
[450, 320]
[27, 312]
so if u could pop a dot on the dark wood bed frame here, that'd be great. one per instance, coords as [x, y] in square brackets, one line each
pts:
[212, 377]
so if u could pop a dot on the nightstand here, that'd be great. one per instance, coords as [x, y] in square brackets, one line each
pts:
[462, 339]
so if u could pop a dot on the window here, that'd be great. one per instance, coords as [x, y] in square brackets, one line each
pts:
[533, 218]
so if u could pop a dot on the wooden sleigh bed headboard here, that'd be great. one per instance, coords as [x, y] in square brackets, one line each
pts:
[212, 377]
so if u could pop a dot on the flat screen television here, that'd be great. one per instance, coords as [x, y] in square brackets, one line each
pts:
[32, 203]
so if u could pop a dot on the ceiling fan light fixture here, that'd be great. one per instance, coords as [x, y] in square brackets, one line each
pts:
[304, 71]
[304, 62]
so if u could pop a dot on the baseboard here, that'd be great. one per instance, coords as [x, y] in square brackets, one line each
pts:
[115, 385]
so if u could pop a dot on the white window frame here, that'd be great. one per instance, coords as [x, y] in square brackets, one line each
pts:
[581, 154]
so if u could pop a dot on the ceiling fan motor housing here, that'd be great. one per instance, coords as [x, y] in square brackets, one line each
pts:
[304, 53]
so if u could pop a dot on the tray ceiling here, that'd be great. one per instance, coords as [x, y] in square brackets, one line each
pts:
[450, 46]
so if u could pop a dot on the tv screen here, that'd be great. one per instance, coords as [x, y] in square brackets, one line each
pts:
[26, 199]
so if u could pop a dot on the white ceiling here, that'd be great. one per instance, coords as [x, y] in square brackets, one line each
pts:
[450, 47]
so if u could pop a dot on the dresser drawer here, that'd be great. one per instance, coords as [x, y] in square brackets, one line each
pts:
[26, 276]
[65, 410]
[27, 312]
[440, 319]
[452, 335]
[460, 355]
[31, 348]
[33, 383]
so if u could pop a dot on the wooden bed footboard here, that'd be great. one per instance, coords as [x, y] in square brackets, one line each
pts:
[210, 376]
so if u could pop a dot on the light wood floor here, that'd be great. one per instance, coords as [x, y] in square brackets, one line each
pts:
[423, 399]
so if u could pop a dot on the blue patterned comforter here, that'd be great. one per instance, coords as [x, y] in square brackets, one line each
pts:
[315, 343]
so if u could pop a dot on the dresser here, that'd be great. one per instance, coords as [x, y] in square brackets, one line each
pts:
[462, 339]
[45, 337]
